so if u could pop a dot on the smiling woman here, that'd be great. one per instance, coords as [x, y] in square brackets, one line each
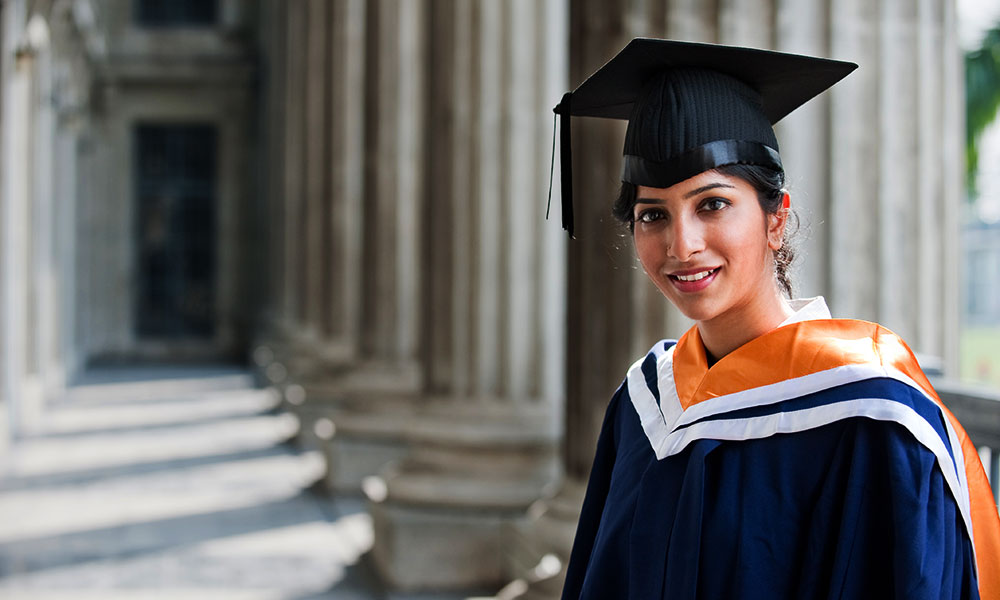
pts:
[711, 231]
[772, 451]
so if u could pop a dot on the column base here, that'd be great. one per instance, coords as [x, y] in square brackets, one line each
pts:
[369, 433]
[539, 545]
[426, 549]
[358, 416]
[442, 512]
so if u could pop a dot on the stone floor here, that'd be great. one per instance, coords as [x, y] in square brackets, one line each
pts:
[175, 483]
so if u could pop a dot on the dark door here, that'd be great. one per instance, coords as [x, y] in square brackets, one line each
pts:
[176, 217]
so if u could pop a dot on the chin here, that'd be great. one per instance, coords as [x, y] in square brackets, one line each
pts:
[697, 314]
[697, 310]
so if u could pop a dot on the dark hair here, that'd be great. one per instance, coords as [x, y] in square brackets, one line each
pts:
[770, 186]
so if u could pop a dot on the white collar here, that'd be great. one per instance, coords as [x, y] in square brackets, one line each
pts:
[807, 309]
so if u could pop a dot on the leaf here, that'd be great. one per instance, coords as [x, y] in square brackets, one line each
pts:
[982, 97]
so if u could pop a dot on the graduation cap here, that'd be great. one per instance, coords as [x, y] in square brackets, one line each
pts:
[692, 107]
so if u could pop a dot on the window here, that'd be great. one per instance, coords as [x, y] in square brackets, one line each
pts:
[175, 178]
[176, 13]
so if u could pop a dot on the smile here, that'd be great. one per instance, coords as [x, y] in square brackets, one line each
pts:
[695, 276]
[692, 281]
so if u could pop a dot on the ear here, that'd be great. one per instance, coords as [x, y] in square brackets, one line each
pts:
[776, 224]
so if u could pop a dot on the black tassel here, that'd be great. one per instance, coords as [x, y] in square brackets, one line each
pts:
[552, 164]
[566, 161]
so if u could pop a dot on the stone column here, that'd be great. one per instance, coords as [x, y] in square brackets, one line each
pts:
[327, 359]
[335, 187]
[26, 226]
[292, 273]
[272, 327]
[345, 173]
[71, 91]
[395, 169]
[298, 35]
[897, 207]
[483, 435]
[367, 362]
[14, 69]
[42, 309]
[269, 225]
[804, 136]
[950, 154]
[315, 166]
[894, 182]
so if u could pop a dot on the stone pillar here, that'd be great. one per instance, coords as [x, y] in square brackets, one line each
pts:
[315, 205]
[805, 148]
[273, 327]
[895, 171]
[746, 23]
[345, 173]
[270, 164]
[367, 361]
[41, 274]
[483, 435]
[13, 218]
[351, 122]
[26, 37]
[951, 155]
[334, 188]
[71, 97]
[326, 359]
[63, 102]
[5, 395]
[897, 206]
[395, 170]
[292, 272]
[299, 195]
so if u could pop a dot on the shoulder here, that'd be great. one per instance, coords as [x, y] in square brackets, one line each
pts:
[816, 352]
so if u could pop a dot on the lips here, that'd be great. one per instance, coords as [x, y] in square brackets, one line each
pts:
[693, 280]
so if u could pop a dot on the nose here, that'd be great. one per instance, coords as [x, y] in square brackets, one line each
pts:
[685, 239]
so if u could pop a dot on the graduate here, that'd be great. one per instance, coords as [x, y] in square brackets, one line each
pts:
[772, 451]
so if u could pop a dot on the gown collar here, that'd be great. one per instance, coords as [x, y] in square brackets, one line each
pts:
[690, 363]
[807, 309]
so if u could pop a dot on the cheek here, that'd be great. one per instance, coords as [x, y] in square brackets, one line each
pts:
[743, 231]
[649, 251]
[751, 249]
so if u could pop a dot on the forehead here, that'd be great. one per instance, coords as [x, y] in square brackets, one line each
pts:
[691, 186]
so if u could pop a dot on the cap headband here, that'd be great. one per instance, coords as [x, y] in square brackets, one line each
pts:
[642, 171]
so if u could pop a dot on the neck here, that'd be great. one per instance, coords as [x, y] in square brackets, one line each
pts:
[729, 331]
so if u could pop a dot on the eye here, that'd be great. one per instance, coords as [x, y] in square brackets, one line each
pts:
[714, 204]
[649, 215]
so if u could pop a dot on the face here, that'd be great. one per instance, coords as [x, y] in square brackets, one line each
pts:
[707, 245]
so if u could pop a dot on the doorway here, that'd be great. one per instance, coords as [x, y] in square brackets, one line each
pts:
[176, 218]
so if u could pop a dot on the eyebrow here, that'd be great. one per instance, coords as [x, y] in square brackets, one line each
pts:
[690, 194]
[705, 188]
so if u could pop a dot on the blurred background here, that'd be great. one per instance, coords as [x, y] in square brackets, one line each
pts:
[281, 315]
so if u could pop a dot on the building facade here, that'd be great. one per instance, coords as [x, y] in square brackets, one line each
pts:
[351, 195]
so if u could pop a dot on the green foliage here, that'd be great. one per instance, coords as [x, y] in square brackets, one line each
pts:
[982, 96]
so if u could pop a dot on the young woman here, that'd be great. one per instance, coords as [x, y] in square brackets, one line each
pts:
[772, 451]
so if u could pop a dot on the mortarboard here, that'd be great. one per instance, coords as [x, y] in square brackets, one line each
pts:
[692, 107]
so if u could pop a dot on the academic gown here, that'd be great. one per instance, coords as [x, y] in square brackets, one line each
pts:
[815, 461]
